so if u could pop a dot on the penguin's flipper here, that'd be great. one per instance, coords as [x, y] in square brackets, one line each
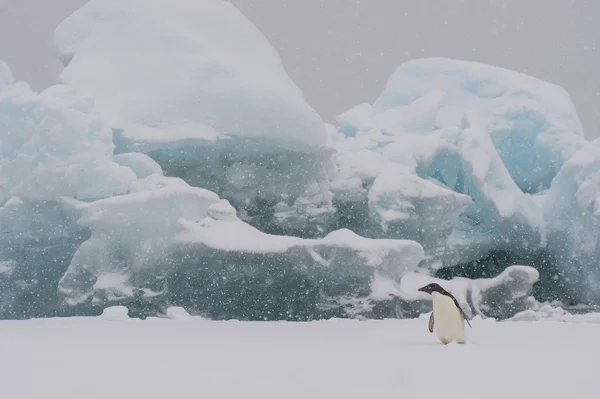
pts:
[462, 312]
[431, 321]
[465, 317]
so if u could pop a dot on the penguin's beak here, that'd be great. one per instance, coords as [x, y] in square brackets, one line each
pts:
[421, 289]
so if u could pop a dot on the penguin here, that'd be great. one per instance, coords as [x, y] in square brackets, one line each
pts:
[447, 315]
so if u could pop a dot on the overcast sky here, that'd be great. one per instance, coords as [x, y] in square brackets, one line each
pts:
[341, 52]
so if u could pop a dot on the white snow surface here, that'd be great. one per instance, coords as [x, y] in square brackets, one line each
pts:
[158, 358]
[181, 71]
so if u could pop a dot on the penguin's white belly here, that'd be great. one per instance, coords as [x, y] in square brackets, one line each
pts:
[448, 322]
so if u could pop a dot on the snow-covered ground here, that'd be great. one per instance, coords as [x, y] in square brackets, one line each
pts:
[107, 357]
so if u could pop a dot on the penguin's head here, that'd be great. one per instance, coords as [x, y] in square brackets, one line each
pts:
[433, 287]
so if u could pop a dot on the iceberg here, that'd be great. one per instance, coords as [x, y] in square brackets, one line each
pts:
[456, 155]
[502, 296]
[203, 93]
[52, 146]
[184, 70]
[195, 253]
[571, 209]
[141, 164]
[533, 124]
[408, 206]
[177, 170]
[84, 229]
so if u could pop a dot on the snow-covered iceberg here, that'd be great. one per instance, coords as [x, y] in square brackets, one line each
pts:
[183, 70]
[501, 296]
[83, 229]
[533, 124]
[194, 252]
[450, 154]
[571, 209]
[51, 146]
[178, 165]
[202, 91]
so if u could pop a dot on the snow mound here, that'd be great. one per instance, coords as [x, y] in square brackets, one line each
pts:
[115, 313]
[184, 71]
[141, 164]
[449, 156]
[554, 312]
[571, 207]
[178, 313]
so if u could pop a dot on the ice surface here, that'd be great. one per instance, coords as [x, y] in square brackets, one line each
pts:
[413, 208]
[38, 241]
[53, 146]
[194, 251]
[184, 71]
[131, 238]
[325, 359]
[571, 207]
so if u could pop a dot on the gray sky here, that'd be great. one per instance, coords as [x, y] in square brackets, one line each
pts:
[341, 52]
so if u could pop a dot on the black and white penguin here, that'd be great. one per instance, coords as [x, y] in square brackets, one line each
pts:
[447, 315]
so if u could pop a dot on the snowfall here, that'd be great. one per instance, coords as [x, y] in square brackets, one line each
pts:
[178, 221]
